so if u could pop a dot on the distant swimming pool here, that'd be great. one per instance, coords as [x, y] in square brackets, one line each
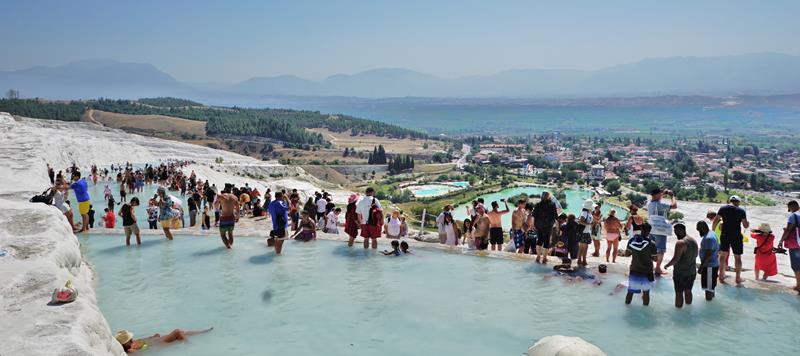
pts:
[436, 189]
[325, 298]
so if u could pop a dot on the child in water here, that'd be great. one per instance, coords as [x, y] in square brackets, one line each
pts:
[108, 219]
[395, 249]
[404, 247]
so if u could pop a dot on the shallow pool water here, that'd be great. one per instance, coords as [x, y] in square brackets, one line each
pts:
[97, 197]
[434, 189]
[325, 298]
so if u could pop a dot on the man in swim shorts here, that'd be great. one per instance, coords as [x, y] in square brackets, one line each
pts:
[684, 261]
[709, 259]
[80, 187]
[229, 205]
[644, 253]
[496, 225]
[518, 218]
[733, 218]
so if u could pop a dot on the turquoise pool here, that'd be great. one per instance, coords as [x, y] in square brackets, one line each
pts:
[575, 199]
[99, 203]
[323, 298]
[434, 189]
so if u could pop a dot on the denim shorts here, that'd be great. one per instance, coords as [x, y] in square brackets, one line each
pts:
[794, 258]
[661, 243]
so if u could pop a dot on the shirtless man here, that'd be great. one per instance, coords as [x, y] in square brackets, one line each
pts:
[496, 225]
[481, 225]
[131, 345]
[229, 205]
[518, 218]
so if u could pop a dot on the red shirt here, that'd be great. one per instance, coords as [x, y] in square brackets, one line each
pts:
[110, 220]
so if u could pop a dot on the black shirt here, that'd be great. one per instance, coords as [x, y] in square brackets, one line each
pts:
[732, 217]
[127, 216]
[544, 213]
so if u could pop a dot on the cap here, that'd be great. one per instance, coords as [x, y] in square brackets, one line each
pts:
[734, 198]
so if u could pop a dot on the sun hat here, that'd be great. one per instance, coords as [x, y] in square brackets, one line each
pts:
[161, 190]
[588, 204]
[352, 199]
[734, 198]
[123, 336]
[764, 227]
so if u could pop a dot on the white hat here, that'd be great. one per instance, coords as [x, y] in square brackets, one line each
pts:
[588, 204]
[734, 198]
[123, 336]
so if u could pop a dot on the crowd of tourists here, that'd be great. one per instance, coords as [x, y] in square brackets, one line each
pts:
[539, 228]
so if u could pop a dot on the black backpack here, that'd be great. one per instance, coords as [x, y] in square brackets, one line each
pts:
[46, 197]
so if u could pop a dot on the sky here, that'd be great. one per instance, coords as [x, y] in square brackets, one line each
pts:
[228, 41]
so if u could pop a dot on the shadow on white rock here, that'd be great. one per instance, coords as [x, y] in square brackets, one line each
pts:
[558, 345]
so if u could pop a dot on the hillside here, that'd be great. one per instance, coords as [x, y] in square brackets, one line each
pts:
[287, 127]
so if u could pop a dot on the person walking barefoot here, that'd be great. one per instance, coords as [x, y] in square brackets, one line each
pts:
[229, 207]
[640, 277]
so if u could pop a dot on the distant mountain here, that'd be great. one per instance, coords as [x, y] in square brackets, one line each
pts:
[748, 74]
[761, 73]
[92, 78]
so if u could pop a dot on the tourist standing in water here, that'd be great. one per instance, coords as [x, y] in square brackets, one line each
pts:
[658, 213]
[371, 218]
[733, 219]
[597, 229]
[529, 228]
[129, 221]
[766, 262]
[544, 215]
[613, 227]
[81, 189]
[481, 228]
[684, 260]
[496, 225]
[279, 213]
[440, 223]
[709, 259]
[640, 277]
[351, 219]
[166, 213]
[518, 218]
[229, 215]
[585, 232]
[791, 240]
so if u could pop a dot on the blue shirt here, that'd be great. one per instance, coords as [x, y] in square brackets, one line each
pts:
[709, 242]
[81, 190]
[279, 208]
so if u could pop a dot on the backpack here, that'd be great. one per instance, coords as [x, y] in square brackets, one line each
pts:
[46, 197]
[375, 217]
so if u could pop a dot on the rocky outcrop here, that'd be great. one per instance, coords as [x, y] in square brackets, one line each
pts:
[40, 253]
[559, 345]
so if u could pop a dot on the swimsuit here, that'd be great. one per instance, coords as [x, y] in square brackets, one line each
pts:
[227, 223]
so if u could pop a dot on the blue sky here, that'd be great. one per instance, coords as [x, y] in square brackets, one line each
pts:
[227, 41]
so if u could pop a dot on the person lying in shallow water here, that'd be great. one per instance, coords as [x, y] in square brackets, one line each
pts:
[131, 345]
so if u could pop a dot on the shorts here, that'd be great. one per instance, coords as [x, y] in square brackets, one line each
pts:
[496, 235]
[227, 223]
[585, 238]
[370, 231]
[731, 244]
[295, 217]
[519, 238]
[683, 283]
[638, 283]
[278, 234]
[131, 229]
[64, 208]
[305, 236]
[83, 207]
[543, 235]
[481, 242]
[794, 258]
[596, 233]
[661, 243]
[708, 278]
[170, 223]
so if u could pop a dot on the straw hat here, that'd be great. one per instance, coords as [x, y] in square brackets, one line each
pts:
[123, 336]
[352, 199]
[588, 204]
[764, 227]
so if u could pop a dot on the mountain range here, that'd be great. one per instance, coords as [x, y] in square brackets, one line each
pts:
[748, 74]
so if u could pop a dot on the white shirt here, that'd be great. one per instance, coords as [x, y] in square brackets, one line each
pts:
[321, 203]
[588, 217]
[393, 227]
[363, 206]
[449, 229]
[333, 221]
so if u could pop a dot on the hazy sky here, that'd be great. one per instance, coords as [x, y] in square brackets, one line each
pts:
[227, 41]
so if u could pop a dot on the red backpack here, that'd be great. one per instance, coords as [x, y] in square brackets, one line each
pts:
[375, 217]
